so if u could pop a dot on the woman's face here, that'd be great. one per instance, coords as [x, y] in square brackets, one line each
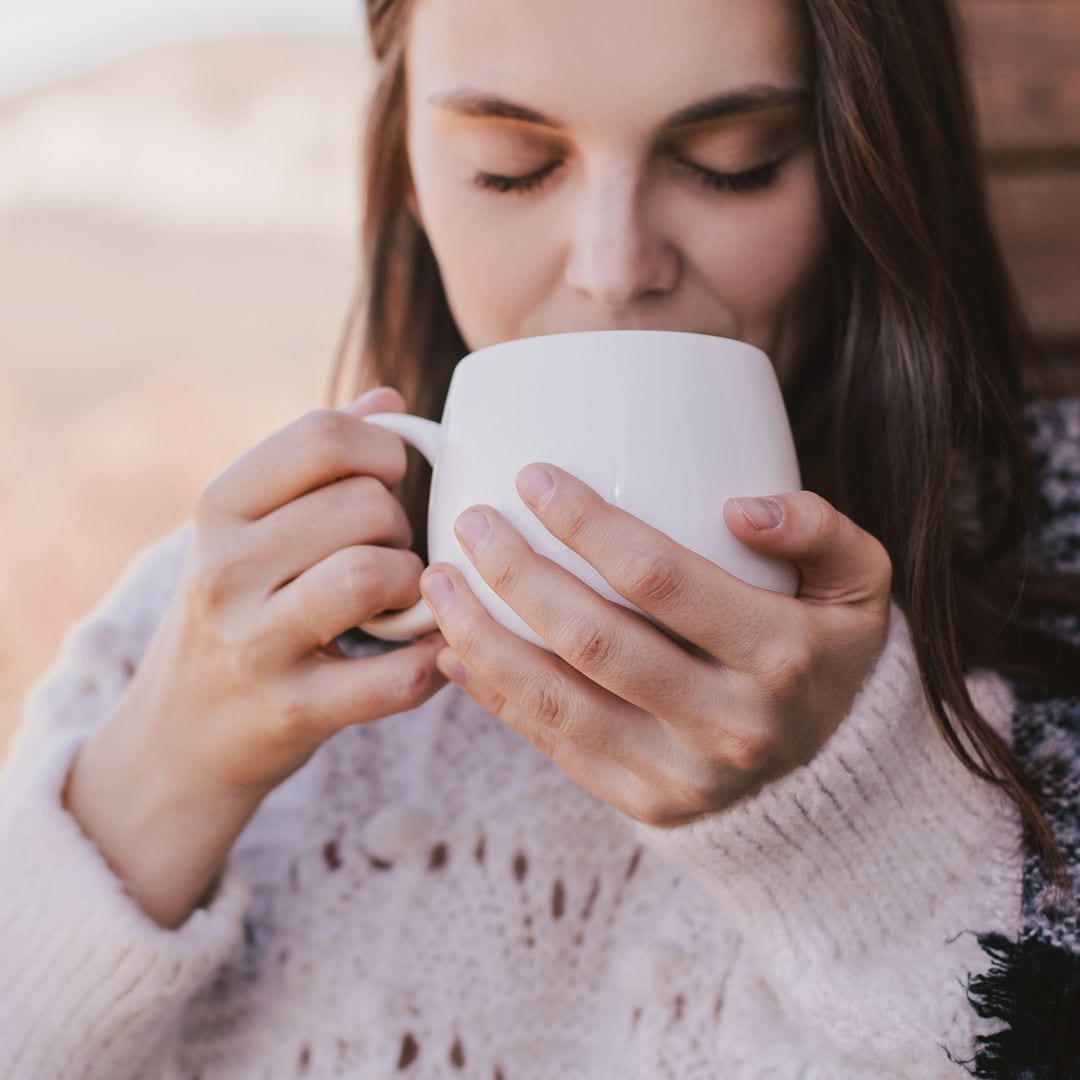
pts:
[617, 164]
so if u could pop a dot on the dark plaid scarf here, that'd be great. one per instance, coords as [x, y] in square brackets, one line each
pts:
[1034, 982]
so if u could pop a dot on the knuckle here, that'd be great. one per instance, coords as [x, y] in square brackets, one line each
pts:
[400, 467]
[828, 521]
[503, 576]
[656, 810]
[545, 706]
[413, 682]
[243, 654]
[414, 565]
[466, 639]
[259, 636]
[369, 489]
[680, 798]
[386, 446]
[749, 752]
[209, 581]
[653, 579]
[359, 575]
[321, 433]
[698, 789]
[790, 666]
[290, 713]
[348, 493]
[588, 647]
[645, 810]
[323, 424]
[385, 511]
[381, 512]
[574, 522]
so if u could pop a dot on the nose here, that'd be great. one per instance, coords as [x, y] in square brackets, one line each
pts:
[618, 257]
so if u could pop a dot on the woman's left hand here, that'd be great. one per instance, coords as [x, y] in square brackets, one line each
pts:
[665, 731]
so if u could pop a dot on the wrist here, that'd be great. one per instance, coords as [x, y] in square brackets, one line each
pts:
[164, 831]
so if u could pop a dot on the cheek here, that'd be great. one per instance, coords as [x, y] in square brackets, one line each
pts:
[496, 264]
[758, 255]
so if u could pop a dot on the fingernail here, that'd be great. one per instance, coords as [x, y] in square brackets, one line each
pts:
[473, 526]
[536, 484]
[438, 588]
[761, 513]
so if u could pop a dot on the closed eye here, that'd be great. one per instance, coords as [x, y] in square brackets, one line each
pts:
[502, 184]
[755, 179]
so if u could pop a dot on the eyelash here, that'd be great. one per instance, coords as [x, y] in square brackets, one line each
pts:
[756, 179]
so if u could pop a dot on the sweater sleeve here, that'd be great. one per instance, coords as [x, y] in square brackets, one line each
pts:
[90, 986]
[862, 878]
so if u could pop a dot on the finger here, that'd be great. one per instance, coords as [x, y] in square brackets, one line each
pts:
[632, 759]
[701, 602]
[595, 772]
[355, 511]
[319, 447]
[615, 647]
[376, 399]
[838, 562]
[381, 399]
[344, 589]
[541, 685]
[335, 693]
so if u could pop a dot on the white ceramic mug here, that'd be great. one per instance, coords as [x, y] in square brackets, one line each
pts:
[664, 424]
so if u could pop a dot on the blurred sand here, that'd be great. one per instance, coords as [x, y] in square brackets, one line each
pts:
[176, 259]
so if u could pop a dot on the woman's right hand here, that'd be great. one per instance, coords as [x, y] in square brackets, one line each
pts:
[297, 541]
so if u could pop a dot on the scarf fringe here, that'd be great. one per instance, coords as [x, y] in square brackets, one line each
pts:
[1034, 987]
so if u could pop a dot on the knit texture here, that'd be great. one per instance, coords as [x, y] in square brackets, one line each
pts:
[430, 896]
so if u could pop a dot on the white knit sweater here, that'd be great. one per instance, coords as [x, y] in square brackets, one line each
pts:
[430, 896]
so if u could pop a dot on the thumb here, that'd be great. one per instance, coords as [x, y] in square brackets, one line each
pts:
[377, 399]
[838, 562]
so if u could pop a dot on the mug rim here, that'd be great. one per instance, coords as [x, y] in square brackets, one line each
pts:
[744, 346]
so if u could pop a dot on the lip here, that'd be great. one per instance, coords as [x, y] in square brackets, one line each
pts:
[666, 330]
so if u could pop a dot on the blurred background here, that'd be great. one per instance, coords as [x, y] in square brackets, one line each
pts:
[177, 222]
[177, 254]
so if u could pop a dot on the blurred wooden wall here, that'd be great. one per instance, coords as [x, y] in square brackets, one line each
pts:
[1024, 61]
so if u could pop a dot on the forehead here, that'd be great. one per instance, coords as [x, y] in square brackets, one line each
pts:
[599, 62]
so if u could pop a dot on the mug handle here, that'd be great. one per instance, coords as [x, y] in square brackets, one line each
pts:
[427, 436]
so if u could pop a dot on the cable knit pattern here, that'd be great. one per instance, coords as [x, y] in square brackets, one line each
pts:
[430, 896]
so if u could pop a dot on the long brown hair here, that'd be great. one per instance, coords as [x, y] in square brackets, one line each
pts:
[908, 407]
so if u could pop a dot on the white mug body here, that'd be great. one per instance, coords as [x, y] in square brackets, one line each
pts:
[662, 424]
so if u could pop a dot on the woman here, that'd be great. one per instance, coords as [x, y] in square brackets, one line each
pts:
[817, 850]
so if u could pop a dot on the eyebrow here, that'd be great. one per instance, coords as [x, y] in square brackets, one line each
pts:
[748, 99]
